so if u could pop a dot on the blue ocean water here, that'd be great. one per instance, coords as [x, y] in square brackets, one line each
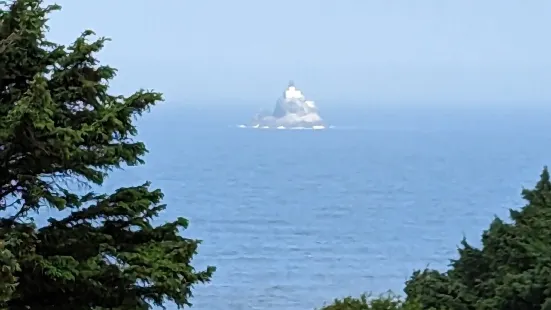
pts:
[293, 219]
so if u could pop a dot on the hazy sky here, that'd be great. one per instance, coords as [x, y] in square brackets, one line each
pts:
[367, 50]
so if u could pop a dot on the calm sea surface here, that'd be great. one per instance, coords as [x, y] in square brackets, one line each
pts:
[292, 219]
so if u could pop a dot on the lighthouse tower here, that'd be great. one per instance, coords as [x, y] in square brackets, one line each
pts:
[292, 92]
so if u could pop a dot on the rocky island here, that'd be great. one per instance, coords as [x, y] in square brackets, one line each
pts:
[292, 110]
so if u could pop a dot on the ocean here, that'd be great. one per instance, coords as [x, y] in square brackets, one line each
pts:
[294, 219]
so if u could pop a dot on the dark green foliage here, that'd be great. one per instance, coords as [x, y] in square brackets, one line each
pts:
[8, 268]
[365, 302]
[511, 271]
[60, 130]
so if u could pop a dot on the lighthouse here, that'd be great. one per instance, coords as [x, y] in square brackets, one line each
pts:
[292, 92]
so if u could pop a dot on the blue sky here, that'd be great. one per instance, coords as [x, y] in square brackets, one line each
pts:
[366, 50]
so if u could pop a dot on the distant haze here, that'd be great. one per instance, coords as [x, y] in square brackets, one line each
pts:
[376, 51]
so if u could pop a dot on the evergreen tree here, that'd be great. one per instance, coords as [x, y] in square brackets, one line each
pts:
[61, 128]
[511, 271]
[366, 302]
